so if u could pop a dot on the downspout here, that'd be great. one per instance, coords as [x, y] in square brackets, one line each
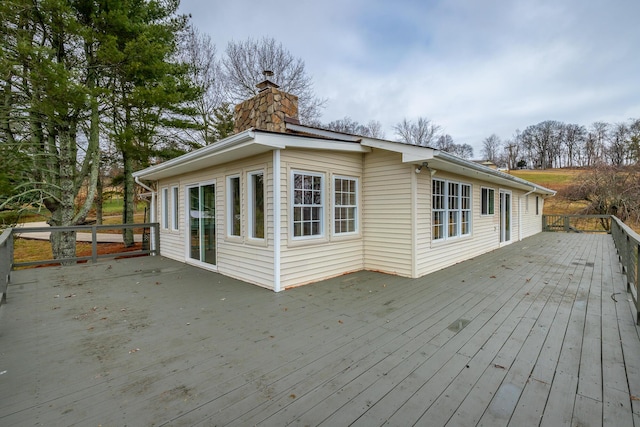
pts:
[152, 216]
[277, 232]
[520, 212]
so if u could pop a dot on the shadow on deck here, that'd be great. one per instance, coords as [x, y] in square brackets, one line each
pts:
[538, 333]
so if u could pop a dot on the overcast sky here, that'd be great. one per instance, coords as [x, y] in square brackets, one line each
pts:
[474, 67]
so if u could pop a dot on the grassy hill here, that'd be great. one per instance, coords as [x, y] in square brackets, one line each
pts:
[555, 179]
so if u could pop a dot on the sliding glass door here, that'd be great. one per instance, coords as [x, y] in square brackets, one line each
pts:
[505, 216]
[202, 223]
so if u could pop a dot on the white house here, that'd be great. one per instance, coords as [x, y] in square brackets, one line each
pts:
[280, 204]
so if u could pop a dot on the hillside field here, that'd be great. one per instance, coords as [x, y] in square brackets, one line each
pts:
[554, 179]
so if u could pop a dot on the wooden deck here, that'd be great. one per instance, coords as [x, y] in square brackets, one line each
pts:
[537, 333]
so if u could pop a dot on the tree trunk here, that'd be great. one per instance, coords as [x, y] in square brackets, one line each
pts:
[129, 198]
[99, 200]
[63, 243]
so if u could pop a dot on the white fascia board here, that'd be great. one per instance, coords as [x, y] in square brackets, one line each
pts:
[225, 145]
[287, 140]
[410, 153]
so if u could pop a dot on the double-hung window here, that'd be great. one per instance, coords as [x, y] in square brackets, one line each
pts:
[256, 205]
[488, 196]
[233, 206]
[451, 209]
[308, 204]
[165, 207]
[345, 210]
[174, 208]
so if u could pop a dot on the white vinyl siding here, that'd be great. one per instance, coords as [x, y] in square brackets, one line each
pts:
[392, 227]
[306, 260]
[234, 254]
[435, 254]
[387, 206]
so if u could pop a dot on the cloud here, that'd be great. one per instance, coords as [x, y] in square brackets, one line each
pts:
[476, 68]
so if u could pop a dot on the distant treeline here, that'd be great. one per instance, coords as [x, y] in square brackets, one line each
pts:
[553, 144]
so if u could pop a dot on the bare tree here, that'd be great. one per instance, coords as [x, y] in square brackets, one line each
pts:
[464, 151]
[511, 149]
[423, 132]
[599, 133]
[206, 73]
[246, 61]
[542, 142]
[634, 141]
[608, 190]
[490, 148]
[574, 140]
[372, 129]
[617, 149]
[445, 143]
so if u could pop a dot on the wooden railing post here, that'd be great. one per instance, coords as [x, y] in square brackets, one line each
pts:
[6, 261]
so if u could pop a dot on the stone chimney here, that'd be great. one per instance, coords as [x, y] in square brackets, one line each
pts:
[267, 110]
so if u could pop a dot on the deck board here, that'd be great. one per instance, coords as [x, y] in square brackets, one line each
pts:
[550, 340]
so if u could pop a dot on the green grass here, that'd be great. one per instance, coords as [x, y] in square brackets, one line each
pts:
[555, 179]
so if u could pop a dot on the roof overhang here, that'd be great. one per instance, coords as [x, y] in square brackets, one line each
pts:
[437, 160]
[245, 144]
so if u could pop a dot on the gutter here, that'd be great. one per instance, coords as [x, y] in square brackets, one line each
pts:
[483, 169]
[152, 216]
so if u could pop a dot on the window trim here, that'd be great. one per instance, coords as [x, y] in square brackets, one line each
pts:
[251, 208]
[447, 212]
[175, 208]
[537, 205]
[230, 206]
[356, 207]
[293, 205]
[490, 207]
[164, 208]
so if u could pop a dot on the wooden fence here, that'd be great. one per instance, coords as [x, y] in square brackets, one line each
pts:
[148, 234]
[626, 240]
[577, 223]
[628, 244]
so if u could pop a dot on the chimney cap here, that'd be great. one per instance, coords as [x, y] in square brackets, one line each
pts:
[266, 83]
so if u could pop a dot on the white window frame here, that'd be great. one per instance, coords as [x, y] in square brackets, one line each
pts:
[251, 205]
[339, 205]
[321, 206]
[526, 204]
[452, 209]
[537, 205]
[175, 208]
[164, 208]
[230, 206]
[487, 200]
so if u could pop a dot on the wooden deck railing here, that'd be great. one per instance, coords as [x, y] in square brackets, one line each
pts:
[626, 240]
[6, 259]
[628, 244]
[149, 236]
[577, 223]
